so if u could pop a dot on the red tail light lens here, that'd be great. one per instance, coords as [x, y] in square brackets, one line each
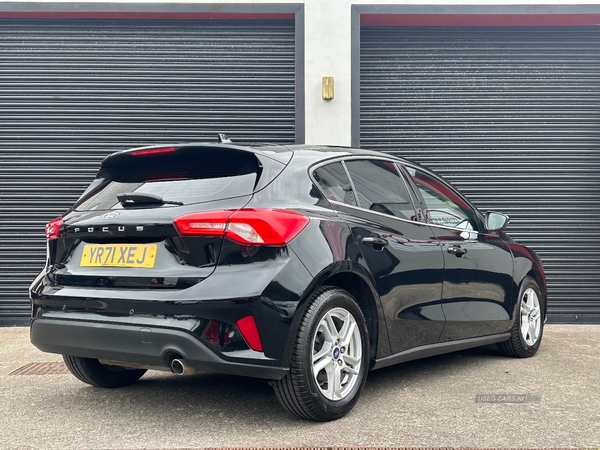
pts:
[247, 327]
[203, 224]
[53, 228]
[246, 226]
[265, 226]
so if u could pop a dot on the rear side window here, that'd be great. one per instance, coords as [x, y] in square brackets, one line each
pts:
[380, 188]
[186, 176]
[335, 183]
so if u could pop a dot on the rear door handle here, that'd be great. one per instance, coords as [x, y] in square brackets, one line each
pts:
[374, 241]
[457, 250]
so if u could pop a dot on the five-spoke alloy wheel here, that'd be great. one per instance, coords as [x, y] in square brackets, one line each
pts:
[531, 317]
[337, 354]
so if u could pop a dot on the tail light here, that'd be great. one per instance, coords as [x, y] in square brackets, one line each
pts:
[53, 228]
[245, 226]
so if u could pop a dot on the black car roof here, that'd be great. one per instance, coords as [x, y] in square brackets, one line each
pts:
[279, 152]
[323, 152]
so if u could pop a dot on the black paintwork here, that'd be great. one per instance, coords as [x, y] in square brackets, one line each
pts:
[417, 296]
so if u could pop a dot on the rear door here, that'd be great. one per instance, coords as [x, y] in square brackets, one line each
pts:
[401, 253]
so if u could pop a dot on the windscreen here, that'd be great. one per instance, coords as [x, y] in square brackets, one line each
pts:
[187, 176]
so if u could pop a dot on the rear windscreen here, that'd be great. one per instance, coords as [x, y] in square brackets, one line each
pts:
[186, 176]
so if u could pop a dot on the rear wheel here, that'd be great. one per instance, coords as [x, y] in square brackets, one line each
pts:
[330, 358]
[92, 371]
[526, 333]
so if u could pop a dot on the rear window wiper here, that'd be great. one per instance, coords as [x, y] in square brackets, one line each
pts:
[130, 198]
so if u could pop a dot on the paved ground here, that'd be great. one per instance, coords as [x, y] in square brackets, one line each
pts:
[424, 403]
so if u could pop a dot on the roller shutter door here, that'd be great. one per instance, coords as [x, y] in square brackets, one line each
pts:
[72, 92]
[511, 116]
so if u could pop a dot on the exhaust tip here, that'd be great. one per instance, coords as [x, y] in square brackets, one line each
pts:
[177, 367]
[181, 367]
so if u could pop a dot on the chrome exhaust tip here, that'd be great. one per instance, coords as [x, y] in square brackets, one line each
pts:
[181, 367]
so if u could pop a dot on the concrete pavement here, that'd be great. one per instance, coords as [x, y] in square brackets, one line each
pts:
[432, 402]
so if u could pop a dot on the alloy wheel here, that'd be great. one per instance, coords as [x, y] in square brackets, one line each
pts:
[337, 354]
[531, 318]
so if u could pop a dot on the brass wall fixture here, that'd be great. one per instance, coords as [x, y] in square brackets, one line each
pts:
[327, 90]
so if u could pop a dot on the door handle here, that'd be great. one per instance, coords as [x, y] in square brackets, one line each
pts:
[457, 250]
[374, 241]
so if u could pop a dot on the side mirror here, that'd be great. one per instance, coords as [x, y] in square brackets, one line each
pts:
[495, 221]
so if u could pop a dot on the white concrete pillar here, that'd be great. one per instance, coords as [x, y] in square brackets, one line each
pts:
[327, 53]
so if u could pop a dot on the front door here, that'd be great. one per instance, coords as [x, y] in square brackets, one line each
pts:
[478, 282]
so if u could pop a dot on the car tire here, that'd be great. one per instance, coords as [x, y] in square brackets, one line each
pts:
[92, 371]
[528, 328]
[330, 358]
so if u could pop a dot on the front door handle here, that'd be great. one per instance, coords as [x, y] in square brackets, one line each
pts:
[457, 250]
[374, 241]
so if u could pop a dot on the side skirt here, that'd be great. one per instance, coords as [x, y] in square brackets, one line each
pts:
[426, 351]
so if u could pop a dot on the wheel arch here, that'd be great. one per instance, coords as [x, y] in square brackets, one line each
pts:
[364, 295]
[348, 277]
[527, 264]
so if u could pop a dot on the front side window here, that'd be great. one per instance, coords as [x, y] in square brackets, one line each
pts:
[444, 206]
[380, 188]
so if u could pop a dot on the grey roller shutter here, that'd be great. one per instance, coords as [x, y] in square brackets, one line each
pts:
[72, 92]
[511, 116]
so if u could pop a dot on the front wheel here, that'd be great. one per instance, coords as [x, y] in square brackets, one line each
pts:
[92, 371]
[330, 358]
[526, 333]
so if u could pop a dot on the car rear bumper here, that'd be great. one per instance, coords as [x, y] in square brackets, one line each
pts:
[147, 346]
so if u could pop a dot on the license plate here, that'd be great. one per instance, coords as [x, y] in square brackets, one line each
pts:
[119, 255]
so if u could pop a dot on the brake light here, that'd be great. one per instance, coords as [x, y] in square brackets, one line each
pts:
[153, 151]
[53, 228]
[247, 327]
[245, 226]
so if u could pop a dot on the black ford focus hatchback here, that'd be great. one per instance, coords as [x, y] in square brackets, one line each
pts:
[304, 265]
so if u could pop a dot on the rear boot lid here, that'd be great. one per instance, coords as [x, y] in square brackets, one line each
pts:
[121, 233]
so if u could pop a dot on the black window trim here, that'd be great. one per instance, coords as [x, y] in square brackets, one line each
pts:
[351, 184]
[417, 198]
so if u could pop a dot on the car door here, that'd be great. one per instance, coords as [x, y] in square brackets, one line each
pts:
[402, 253]
[478, 281]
